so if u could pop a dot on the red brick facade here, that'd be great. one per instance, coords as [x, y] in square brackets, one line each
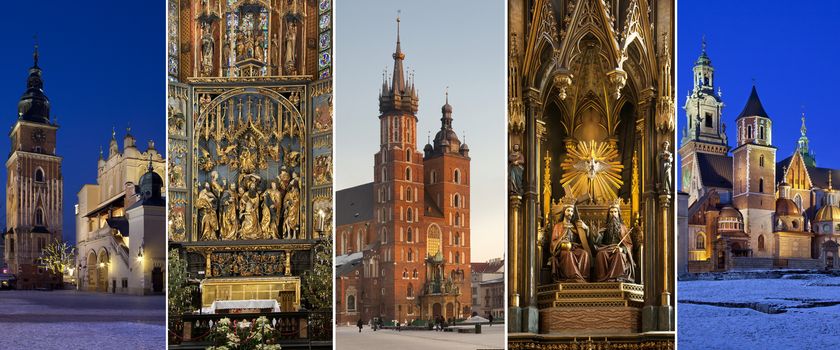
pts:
[414, 235]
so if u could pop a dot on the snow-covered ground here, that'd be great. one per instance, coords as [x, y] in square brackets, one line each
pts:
[797, 311]
[81, 320]
[349, 338]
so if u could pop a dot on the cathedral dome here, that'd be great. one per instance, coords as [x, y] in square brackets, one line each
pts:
[731, 213]
[786, 207]
[828, 213]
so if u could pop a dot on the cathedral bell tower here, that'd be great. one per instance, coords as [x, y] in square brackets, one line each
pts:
[754, 168]
[34, 184]
[704, 130]
[398, 188]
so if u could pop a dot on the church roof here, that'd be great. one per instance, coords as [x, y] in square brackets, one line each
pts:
[818, 176]
[354, 204]
[753, 107]
[715, 170]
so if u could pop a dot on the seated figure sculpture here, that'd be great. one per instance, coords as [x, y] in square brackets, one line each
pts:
[570, 256]
[614, 250]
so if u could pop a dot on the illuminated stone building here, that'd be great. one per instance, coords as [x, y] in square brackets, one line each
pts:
[34, 186]
[121, 222]
[250, 149]
[746, 209]
[412, 224]
[591, 146]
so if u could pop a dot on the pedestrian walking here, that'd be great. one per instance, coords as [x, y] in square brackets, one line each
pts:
[360, 324]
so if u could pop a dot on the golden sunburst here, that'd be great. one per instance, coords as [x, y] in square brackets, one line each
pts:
[591, 168]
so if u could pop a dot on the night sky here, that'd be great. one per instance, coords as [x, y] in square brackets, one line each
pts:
[790, 51]
[103, 67]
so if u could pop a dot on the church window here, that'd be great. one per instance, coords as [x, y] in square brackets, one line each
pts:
[457, 176]
[761, 132]
[457, 201]
[414, 274]
[709, 123]
[409, 291]
[700, 242]
[39, 175]
[761, 185]
[457, 257]
[410, 235]
[405, 273]
[761, 243]
[798, 201]
[749, 131]
[408, 155]
[409, 215]
[761, 161]
[457, 219]
[351, 303]
[433, 177]
[39, 216]
[410, 255]
[407, 174]
[457, 238]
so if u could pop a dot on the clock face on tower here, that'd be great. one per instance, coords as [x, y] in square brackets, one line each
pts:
[39, 136]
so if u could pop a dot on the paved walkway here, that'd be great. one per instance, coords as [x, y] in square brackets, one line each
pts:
[68, 319]
[350, 338]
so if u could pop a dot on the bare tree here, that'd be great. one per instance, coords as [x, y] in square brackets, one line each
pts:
[58, 256]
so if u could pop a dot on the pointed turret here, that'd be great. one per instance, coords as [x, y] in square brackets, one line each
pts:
[753, 108]
[802, 145]
[446, 140]
[400, 95]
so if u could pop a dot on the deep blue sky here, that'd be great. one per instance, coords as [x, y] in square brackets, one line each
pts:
[790, 50]
[103, 66]
[460, 44]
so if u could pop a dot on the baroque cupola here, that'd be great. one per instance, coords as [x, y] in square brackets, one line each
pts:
[34, 106]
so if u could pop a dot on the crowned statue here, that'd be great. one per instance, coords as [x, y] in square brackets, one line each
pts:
[570, 251]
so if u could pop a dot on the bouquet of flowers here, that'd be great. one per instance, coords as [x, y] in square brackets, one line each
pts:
[243, 335]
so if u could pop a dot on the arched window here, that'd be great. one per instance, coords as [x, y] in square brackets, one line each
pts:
[407, 174]
[761, 243]
[405, 273]
[749, 132]
[457, 219]
[798, 200]
[351, 303]
[457, 176]
[408, 194]
[457, 238]
[384, 237]
[39, 217]
[457, 201]
[408, 155]
[409, 291]
[410, 254]
[39, 175]
[414, 273]
[384, 174]
[409, 235]
[761, 185]
[700, 242]
[457, 257]
[761, 132]
[409, 214]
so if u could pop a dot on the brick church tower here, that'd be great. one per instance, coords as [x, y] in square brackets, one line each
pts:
[420, 214]
[34, 185]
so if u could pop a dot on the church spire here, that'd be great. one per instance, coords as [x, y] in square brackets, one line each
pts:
[34, 105]
[398, 82]
[802, 145]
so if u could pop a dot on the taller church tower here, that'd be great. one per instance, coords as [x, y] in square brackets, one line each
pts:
[704, 129]
[34, 185]
[398, 188]
[754, 169]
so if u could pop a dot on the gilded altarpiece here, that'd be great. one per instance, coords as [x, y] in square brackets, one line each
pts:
[590, 155]
[250, 141]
